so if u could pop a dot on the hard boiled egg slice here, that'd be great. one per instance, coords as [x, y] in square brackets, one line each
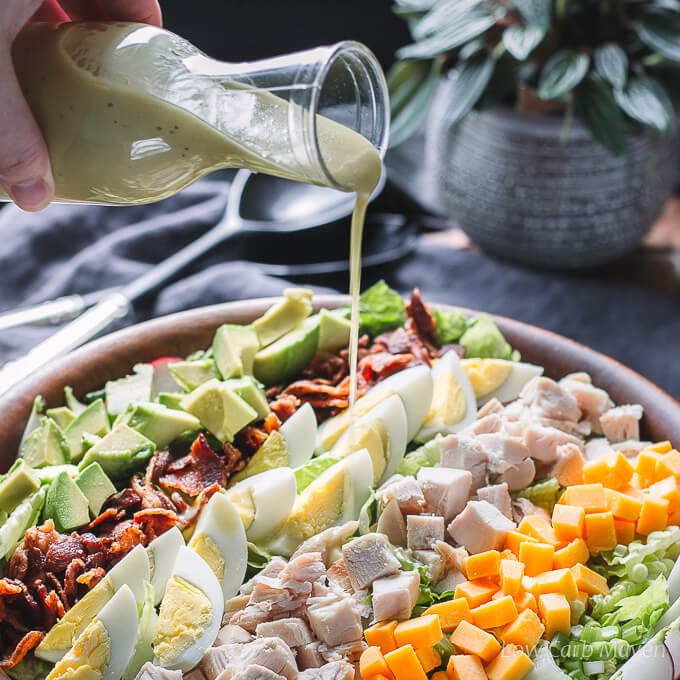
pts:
[334, 497]
[413, 386]
[264, 501]
[132, 571]
[299, 433]
[219, 538]
[104, 648]
[453, 404]
[383, 431]
[162, 552]
[191, 613]
[499, 378]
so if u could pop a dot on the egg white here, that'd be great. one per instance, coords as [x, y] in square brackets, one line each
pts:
[132, 571]
[520, 374]
[299, 433]
[163, 551]
[220, 521]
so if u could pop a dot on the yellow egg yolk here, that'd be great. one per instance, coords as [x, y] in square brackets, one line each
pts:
[370, 436]
[318, 507]
[89, 657]
[448, 402]
[184, 615]
[206, 548]
[486, 375]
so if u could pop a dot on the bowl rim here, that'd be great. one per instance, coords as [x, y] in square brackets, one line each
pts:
[133, 344]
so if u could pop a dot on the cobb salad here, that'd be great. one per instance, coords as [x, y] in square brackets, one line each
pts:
[224, 515]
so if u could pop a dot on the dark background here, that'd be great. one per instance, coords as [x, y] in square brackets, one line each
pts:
[239, 30]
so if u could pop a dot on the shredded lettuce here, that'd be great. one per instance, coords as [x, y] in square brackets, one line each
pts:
[258, 559]
[381, 309]
[368, 515]
[307, 473]
[641, 606]
[148, 620]
[30, 668]
[450, 325]
[544, 494]
[427, 455]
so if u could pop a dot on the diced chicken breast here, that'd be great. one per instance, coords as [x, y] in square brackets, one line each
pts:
[391, 523]
[406, 492]
[304, 568]
[309, 656]
[232, 635]
[543, 442]
[275, 566]
[336, 670]
[446, 490]
[194, 674]
[492, 406]
[518, 476]
[328, 542]
[150, 672]
[498, 495]
[350, 651]
[395, 596]
[480, 527]
[549, 401]
[233, 606]
[487, 425]
[622, 422]
[568, 467]
[433, 561]
[367, 558]
[423, 531]
[502, 450]
[453, 568]
[271, 653]
[631, 447]
[465, 453]
[592, 400]
[334, 619]
[523, 507]
[293, 631]
[252, 672]
[596, 448]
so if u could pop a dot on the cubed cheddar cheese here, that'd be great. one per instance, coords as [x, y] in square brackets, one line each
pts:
[525, 631]
[423, 631]
[668, 465]
[623, 506]
[536, 557]
[372, 663]
[380, 676]
[568, 522]
[530, 585]
[621, 468]
[612, 470]
[646, 467]
[507, 554]
[514, 539]
[526, 600]
[538, 527]
[625, 531]
[404, 664]
[511, 572]
[483, 565]
[674, 518]
[558, 581]
[382, 635]
[439, 675]
[600, 531]
[589, 581]
[465, 667]
[653, 516]
[511, 664]
[555, 613]
[667, 488]
[476, 592]
[429, 658]
[450, 613]
[590, 497]
[573, 553]
[495, 613]
[660, 447]
[473, 640]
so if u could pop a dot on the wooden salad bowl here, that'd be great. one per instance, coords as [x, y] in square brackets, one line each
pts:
[114, 355]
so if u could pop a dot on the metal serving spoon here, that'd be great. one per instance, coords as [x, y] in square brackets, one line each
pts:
[251, 207]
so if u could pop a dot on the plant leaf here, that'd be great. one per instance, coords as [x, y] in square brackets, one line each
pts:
[536, 12]
[661, 33]
[646, 101]
[521, 40]
[562, 73]
[449, 38]
[444, 13]
[596, 108]
[411, 85]
[611, 63]
[466, 89]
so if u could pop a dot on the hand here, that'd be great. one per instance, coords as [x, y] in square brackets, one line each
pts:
[25, 171]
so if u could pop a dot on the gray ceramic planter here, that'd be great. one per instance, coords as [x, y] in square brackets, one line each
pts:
[520, 191]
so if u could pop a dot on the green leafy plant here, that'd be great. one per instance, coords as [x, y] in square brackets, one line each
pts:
[610, 63]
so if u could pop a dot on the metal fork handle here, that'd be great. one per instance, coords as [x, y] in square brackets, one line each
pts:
[51, 312]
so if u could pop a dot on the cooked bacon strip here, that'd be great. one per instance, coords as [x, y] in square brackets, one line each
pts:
[91, 577]
[235, 460]
[150, 496]
[422, 317]
[106, 516]
[156, 467]
[28, 642]
[250, 438]
[271, 422]
[284, 405]
[62, 552]
[156, 521]
[73, 572]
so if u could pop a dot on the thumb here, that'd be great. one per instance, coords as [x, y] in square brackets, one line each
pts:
[25, 171]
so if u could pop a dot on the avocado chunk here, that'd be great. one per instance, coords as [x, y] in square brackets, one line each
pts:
[46, 475]
[71, 402]
[120, 453]
[46, 446]
[62, 416]
[272, 454]
[220, 409]
[192, 374]
[333, 331]
[66, 504]
[234, 350]
[158, 423]
[286, 357]
[283, 316]
[171, 400]
[19, 483]
[250, 391]
[96, 486]
[134, 387]
[93, 420]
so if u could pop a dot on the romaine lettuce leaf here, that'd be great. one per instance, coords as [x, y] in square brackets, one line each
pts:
[307, 473]
[381, 309]
[148, 618]
[427, 455]
[450, 325]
